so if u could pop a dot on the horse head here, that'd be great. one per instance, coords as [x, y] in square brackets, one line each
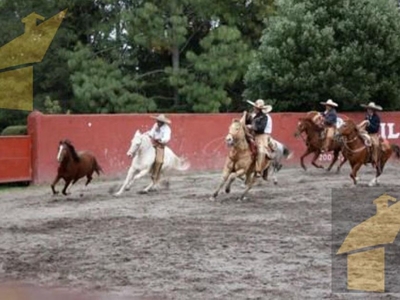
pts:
[136, 142]
[236, 133]
[65, 149]
[306, 125]
[300, 127]
[347, 128]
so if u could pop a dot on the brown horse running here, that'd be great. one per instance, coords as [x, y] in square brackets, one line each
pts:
[358, 154]
[74, 166]
[314, 142]
[240, 161]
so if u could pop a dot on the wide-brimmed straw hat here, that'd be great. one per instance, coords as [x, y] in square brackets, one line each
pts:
[372, 105]
[162, 118]
[330, 103]
[260, 104]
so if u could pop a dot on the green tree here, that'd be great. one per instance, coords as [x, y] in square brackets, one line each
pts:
[195, 52]
[314, 50]
[101, 87]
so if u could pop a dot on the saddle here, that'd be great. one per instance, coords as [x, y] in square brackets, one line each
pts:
[323, 131]
[367, 139]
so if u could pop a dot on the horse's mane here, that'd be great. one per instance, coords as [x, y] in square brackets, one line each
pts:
[353, 124]
[71, 148]
[311, 122]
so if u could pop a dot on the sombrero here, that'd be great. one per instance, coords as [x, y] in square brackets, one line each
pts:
[372, 105]
[330, 103]
[260, 104]
[162, 118]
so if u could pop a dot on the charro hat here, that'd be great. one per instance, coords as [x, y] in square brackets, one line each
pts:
[162, 118]
[260, 104]
[372, 105]
[330, 103]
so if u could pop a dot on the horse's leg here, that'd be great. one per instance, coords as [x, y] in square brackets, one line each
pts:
[56, 180]
[355, 168]
[89, 179]
[232, 178]
[379, 168]
[308, 152]
[341, 164]
[335, 158]
[248, 188]
[128, 181]
[131, 178]
[316, 155]
[67, 182]
[225, 176]
[147, 188]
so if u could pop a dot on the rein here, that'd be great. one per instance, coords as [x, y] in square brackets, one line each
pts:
[346, 142]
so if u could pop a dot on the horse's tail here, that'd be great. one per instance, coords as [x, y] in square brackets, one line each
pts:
[181, 164]
[96, 167]
[396, 150]
[286, 152]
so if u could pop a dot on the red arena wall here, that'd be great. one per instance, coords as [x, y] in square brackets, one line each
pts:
[198, 137]
[15, 159]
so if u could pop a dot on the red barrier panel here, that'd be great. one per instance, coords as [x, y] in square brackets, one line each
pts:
[15, 159]
[199, 137]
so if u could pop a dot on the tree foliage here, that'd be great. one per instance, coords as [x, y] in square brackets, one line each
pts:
[314, 50]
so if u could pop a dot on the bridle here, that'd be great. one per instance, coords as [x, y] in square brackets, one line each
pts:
[347, 142]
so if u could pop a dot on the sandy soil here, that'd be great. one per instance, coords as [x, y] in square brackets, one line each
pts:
[176, 244]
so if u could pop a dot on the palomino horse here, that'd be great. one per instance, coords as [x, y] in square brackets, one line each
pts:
[358, 154]
[240, 161]
[144, 155]
[74, 166]
[314, 142]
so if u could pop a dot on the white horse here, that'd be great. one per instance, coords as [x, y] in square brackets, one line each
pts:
[281, 152]
[144, 155]
[276, 163]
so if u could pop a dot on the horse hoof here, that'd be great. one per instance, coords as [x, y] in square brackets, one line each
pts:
[227, 191]
[143, 192]
[212, 198]
[276, 182]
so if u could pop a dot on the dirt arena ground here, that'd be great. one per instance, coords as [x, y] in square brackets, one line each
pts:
[176, 244]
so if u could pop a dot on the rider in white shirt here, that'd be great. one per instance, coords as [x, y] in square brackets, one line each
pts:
[160, 134]
[268, 127]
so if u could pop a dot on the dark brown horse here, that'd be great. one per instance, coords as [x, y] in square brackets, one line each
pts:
[358, 154]
[314, 142]
[74, 166]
